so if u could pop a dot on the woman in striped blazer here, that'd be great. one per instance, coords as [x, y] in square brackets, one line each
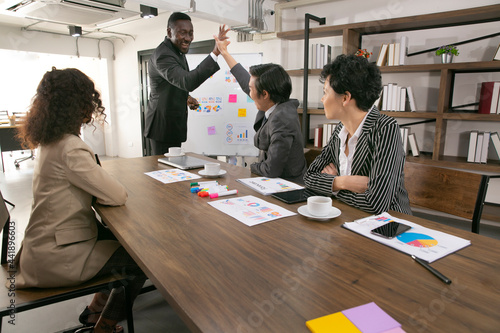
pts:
[362, 164]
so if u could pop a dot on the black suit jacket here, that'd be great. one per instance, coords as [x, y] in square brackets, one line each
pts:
[170, 82]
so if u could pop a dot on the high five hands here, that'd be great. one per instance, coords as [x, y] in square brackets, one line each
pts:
[222, 36]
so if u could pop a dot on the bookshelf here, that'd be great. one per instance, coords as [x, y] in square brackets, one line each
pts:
[351, 41]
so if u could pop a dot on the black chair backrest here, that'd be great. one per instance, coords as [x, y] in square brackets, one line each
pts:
[4, 224]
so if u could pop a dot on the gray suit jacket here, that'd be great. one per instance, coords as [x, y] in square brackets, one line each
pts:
[279, 140]
[170, 84]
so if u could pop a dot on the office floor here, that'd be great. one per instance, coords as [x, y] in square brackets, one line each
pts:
[151, 313]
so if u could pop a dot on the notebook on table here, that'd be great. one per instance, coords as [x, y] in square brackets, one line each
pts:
[183, 162]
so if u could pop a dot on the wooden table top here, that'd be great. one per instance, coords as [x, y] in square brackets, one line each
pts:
[220, 275]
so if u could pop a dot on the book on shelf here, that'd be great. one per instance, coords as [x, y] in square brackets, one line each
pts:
[312, 57]
[411, 99]
[405, 131]
[488, 98]
[471, 154]
[402, 99]
[484, 150]
[479, 147]
[397, 52]
[382, 56]
[318, 137]
[384, 97]
[390, 55]
[403, 50]
[412, 140]
[495, 140]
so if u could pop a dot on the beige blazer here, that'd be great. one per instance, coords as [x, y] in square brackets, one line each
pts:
[60, 246]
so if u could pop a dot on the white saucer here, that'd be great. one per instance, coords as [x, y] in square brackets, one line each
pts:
[171, 155]
[333, 213]
[220, 174]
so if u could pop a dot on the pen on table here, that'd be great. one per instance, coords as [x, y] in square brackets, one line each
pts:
[205, 183]
[432, 270]
[223, 194]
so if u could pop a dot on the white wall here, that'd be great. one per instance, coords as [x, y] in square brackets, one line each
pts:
[15, 39]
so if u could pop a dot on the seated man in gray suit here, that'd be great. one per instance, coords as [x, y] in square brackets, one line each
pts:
[278, 136]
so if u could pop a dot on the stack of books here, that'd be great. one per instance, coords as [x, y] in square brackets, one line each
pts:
[396, 98]
[489, 102]
[319, 56]
[322, 134]
[393, 54]
[409, 141]
[479, 145]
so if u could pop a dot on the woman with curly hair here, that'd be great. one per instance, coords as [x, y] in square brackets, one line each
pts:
[362, 164]
[64, 243]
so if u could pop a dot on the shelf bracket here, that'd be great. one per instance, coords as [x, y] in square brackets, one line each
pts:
[305, 118]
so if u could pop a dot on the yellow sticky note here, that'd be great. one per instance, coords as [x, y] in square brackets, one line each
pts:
[332, 323]
[242, 112]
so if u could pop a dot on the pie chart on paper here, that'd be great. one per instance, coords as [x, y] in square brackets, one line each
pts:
[417, 240]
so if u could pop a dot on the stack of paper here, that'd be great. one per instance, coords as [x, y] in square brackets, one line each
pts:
[424, 243]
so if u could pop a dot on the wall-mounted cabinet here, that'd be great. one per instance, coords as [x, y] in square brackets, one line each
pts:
[351, 40]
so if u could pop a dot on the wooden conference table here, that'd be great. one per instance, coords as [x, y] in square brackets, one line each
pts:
[220, 275]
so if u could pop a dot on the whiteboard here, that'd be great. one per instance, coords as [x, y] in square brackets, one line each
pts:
[223, 124]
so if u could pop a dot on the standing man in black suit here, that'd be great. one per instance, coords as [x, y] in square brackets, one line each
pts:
[170, 84]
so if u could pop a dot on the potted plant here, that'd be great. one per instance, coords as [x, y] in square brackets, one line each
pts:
[447, 52]
[363, 53]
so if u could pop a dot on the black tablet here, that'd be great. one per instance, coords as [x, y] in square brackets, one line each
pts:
[294, 196]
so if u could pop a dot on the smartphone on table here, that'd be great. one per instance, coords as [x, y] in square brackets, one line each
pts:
[294, 196]
[390, 230]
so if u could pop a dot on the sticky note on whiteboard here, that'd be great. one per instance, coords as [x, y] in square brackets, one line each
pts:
[211, 130]
[242, 112]
[233, 98]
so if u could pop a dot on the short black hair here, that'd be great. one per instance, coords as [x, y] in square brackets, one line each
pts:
[176, 17]
[274, 79]
[357, 76]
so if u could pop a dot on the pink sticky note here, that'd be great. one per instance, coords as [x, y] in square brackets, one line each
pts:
[369, 318]
[233, 98]
[211, 130]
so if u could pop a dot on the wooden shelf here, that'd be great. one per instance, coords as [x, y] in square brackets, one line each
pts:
[407, 114]
[459, 67]
[418, 22]
[351, 41]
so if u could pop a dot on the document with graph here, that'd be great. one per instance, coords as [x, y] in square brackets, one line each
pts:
[424, 243]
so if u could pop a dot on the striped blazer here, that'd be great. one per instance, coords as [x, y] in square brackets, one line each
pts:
[379, 156]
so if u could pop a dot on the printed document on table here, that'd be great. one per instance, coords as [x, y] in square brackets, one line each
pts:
[267, 186]
[250, 210]
[424, 243]
[171, 175]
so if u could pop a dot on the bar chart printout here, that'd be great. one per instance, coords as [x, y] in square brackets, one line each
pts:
[239, 134]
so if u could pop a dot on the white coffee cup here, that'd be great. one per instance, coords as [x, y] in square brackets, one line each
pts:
[174, 151]
[319, 205]
[212, 168]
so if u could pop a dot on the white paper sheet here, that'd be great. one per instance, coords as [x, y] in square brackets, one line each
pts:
[172, 175]
[424, 243]
[250, 210]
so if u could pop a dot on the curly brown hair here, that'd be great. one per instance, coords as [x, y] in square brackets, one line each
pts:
[65, 99]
